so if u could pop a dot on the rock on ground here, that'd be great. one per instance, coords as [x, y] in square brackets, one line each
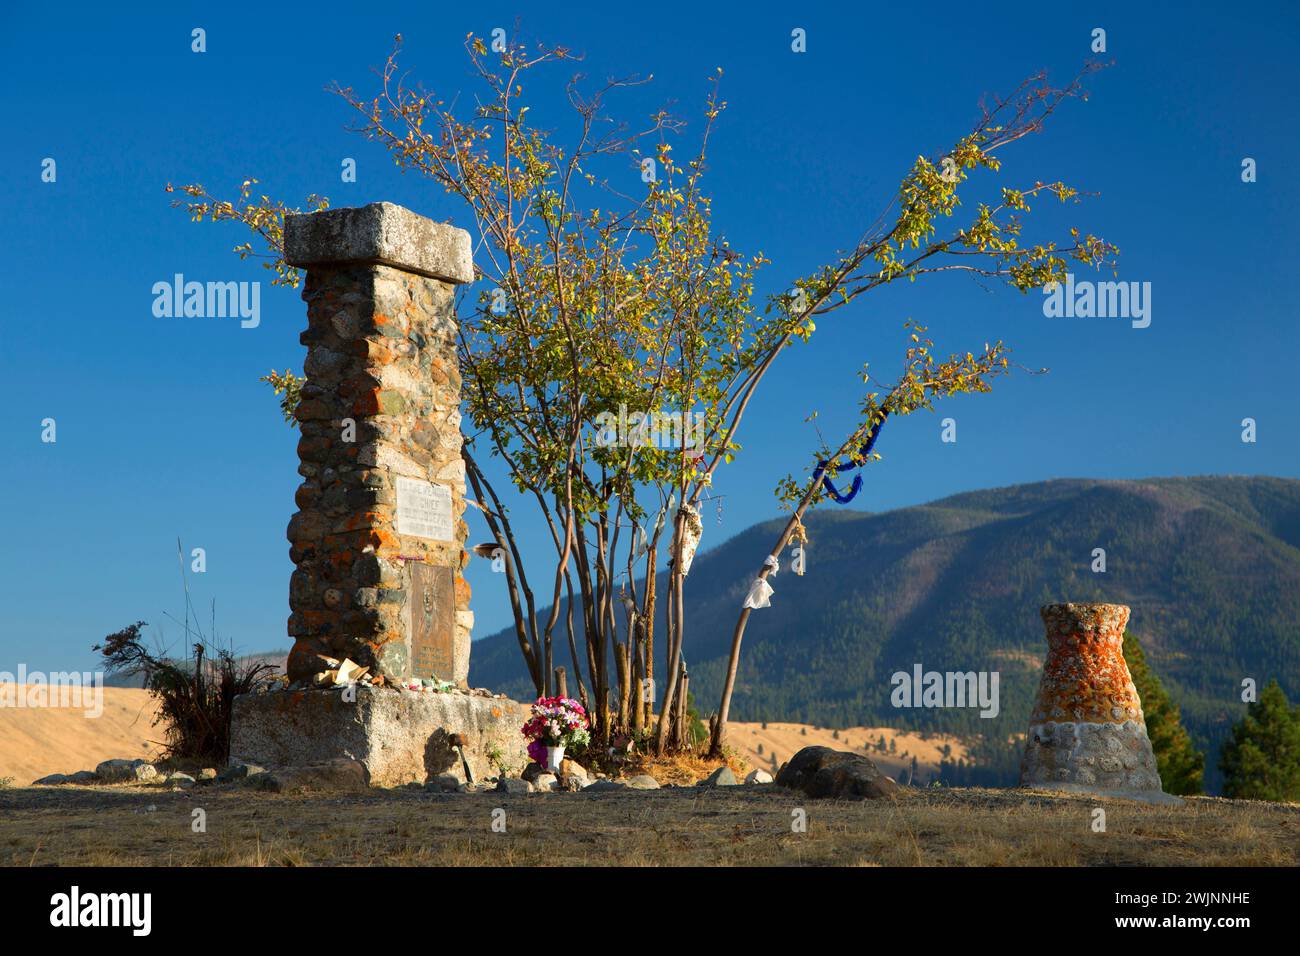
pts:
[571, 768]
[338, 774]
[125, 771]
[758, 776]
[823, 772]
[443, 783]
[513, 785]
[722, 777]
[239, 770]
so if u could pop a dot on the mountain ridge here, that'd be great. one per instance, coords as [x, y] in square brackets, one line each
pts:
[1209, 564]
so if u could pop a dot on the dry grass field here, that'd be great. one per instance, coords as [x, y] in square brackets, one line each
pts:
[733, 826]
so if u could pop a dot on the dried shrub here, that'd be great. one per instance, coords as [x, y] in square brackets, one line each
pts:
[195, 696]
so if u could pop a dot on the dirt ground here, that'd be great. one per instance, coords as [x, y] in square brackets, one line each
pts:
[732, 826]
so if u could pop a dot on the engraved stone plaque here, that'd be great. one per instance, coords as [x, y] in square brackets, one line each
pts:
[433, 621]
[423, 509]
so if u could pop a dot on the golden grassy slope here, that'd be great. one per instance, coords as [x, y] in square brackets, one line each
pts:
[35, 741]
[785, 740]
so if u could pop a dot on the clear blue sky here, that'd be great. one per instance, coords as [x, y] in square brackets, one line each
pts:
[164, 431]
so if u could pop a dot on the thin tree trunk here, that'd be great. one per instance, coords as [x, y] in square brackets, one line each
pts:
[573, 646]
[648, 636]
[676, 621]
[683, 703]
[733, 661]
[624, 680]
[504, 536]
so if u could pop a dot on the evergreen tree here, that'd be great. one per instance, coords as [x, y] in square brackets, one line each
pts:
[1261, 761]
[1181, 765]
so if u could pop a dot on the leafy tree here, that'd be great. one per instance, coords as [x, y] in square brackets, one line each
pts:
[1261, 761]
[599, 296]
[1181, 765]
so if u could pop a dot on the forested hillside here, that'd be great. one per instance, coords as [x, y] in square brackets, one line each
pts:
[1210, 567]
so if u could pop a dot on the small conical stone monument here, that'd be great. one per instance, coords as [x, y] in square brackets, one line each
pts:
[1087, 733]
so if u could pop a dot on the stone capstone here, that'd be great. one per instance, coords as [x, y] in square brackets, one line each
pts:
[380, 233]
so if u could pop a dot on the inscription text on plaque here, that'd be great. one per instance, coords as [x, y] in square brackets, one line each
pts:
[433, 620]
[423, 509]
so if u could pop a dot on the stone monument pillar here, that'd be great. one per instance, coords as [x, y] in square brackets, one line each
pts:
[379, 534]
[1087, 733]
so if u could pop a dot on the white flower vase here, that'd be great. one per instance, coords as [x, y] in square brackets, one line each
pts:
[554, 755]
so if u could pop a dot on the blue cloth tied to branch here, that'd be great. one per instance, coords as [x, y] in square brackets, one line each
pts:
[825, 469]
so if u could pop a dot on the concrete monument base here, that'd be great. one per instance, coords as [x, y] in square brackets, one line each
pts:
[400, 736]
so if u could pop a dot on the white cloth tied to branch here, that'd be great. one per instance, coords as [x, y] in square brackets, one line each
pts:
[692, 529]
[758, 595]
[771, 562]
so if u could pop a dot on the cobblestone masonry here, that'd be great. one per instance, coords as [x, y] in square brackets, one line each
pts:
[380, 405]
[1087, 731]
